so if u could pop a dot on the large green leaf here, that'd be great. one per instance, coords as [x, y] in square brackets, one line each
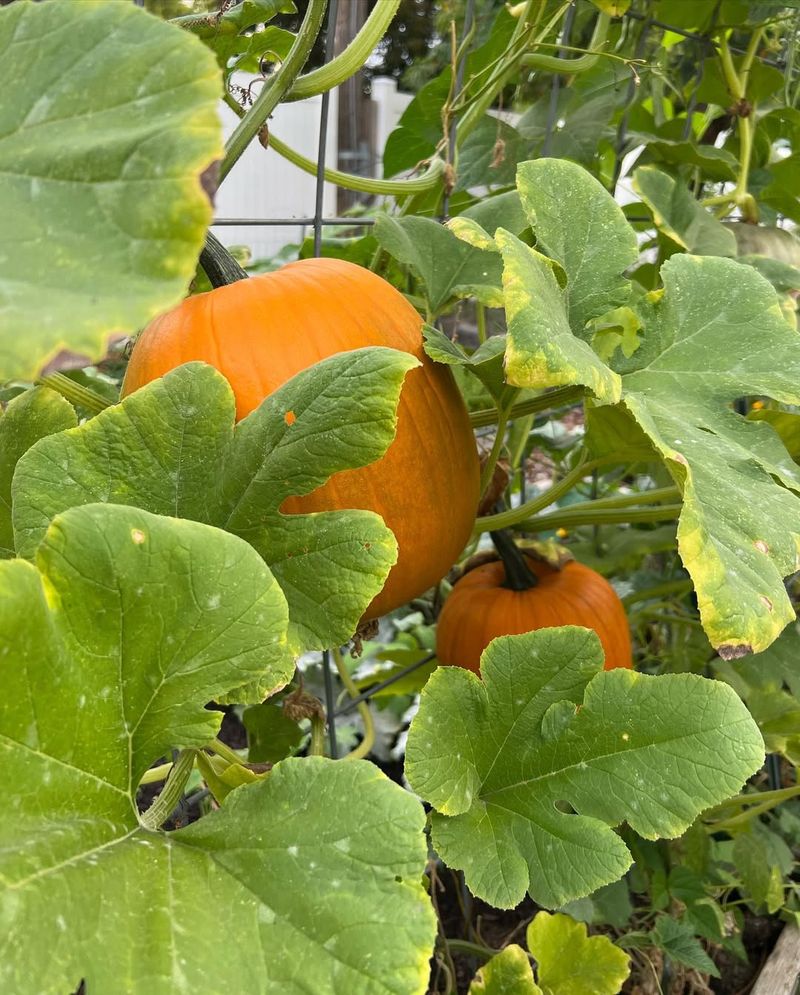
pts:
[106, 643]
[571, 963]
[578, 225]
[718, 333]
[155, 451]
[502, 761]
[110, 650]
[29, 417]
[109, 117]
[448, 266]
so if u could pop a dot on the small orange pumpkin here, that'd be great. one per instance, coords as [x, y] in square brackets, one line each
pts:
[260, 332]
[484, 605]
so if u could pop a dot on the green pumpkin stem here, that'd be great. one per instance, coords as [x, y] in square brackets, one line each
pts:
[218, 264]
[519, 576]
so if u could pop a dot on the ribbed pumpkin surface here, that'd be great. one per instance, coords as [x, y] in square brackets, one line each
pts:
[479, 609]
[260, 332]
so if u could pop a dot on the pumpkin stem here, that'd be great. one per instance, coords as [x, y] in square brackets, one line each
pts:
[519, 576]
[218, 264]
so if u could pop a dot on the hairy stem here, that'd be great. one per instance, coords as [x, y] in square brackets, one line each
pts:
[172, 792]
[218, 264]
[585, 514]
[487, 473]
[75, 393]
[365, 184]
[558, 398]
[572, 67]
[348, 62]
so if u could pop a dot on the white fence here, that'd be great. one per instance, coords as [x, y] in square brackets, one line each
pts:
[263, 185]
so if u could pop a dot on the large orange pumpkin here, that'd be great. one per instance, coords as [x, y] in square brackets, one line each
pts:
[261, 331]
[480, 608]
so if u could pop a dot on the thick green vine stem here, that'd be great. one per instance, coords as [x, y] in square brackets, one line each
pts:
[652, 496]
[172, 792]
[766, 800]
[348, 181]
[586, 514]
[756, 798]
[75, 393]
[223, 750]
[519, 576]
[395, 188]
[218, 264]
[572, 67]
[348, 62]
[274, 90]
[473, 949]
[558, 398]
[506, 519]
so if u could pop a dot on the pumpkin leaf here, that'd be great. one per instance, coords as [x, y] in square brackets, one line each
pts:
[124, 614]
[717, 333]
[715, 164]
[485, 362]
[784, 277]
[153, 451]
[239, 33]
[28, 417]
[680, 216]
[678, 941]
[503, 210]
[578, 224]
[101, 237]
[271, 734]
[113, 644]
[542, 350]
[489, 155]
[525, 803]
[507, 973]
[760, 868]
[571, 963]
[448, 266]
